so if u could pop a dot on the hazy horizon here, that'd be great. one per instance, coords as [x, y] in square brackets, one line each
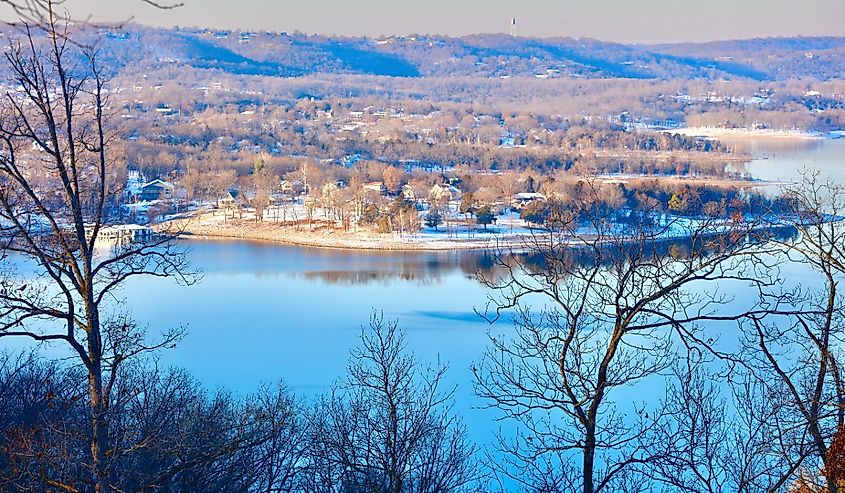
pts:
[645, 21]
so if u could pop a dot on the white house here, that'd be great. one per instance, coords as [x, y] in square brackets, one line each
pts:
[443, 193]
[523, 198]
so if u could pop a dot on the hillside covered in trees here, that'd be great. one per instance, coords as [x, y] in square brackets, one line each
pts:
[489, 55]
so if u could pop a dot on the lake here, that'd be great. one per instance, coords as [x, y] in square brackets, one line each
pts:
[266, 312]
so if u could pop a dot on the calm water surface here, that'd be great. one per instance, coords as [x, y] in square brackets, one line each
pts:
[786, 160]
[265, 312]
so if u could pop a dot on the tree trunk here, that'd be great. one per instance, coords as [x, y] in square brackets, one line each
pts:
[100, 430]
[589, 460]
[99, 403]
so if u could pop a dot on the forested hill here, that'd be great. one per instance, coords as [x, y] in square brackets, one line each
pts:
[140, 48]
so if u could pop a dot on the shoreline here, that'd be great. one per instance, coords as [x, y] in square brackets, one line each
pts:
[358, 241]
[718, 132]
[388, 247]
[372, 243]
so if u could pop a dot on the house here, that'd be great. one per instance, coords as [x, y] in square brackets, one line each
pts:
[125, 233]
[286, 186]
[230, 200]
[524, 198]
[408, 192]
[134, 182]
[443, 193]
[157, 190]
[350, 160]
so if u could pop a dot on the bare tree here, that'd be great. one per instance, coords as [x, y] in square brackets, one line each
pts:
[170, 434]
[390, 427]
[262, 199]
[795, 353]
[614, 301]
[57, 198]
[42, 443]
[280, 442]
[716, 435]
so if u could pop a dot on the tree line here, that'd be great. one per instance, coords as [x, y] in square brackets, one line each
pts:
[387, 426]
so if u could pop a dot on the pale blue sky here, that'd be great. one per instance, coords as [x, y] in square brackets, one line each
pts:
[638, 21]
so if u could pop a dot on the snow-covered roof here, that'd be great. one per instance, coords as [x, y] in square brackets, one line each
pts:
[162, 183]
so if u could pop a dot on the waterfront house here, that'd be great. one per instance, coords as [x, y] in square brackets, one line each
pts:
[230, 200]
[121, 234]
[157, 190]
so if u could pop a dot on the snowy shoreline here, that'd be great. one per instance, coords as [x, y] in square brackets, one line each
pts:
[679, 229]
[213, 227]
[718, 132]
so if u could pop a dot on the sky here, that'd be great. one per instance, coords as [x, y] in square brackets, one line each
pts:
[628, 21]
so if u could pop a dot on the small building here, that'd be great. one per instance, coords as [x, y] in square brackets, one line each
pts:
[286, 186]
[408, 192]
[524, 198]
[164, 109]
[134, 182]
[122, 234]
[157, 190]
[230, 200]
[444, 193]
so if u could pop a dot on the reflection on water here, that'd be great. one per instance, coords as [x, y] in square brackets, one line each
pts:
[773, 146]
[265, 312]
[337, 266]
[353, 268]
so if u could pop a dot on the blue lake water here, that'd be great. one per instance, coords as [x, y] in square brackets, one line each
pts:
[265, 312]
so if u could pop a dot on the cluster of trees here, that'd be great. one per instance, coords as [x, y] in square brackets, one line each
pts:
[340, 192]
[207, 142]
[646, 200]
[397, 215]
[387, 426]
[573, 117]
[561, 124]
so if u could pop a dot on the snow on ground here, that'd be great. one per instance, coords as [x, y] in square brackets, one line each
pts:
[290, 224]
[718, 132]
